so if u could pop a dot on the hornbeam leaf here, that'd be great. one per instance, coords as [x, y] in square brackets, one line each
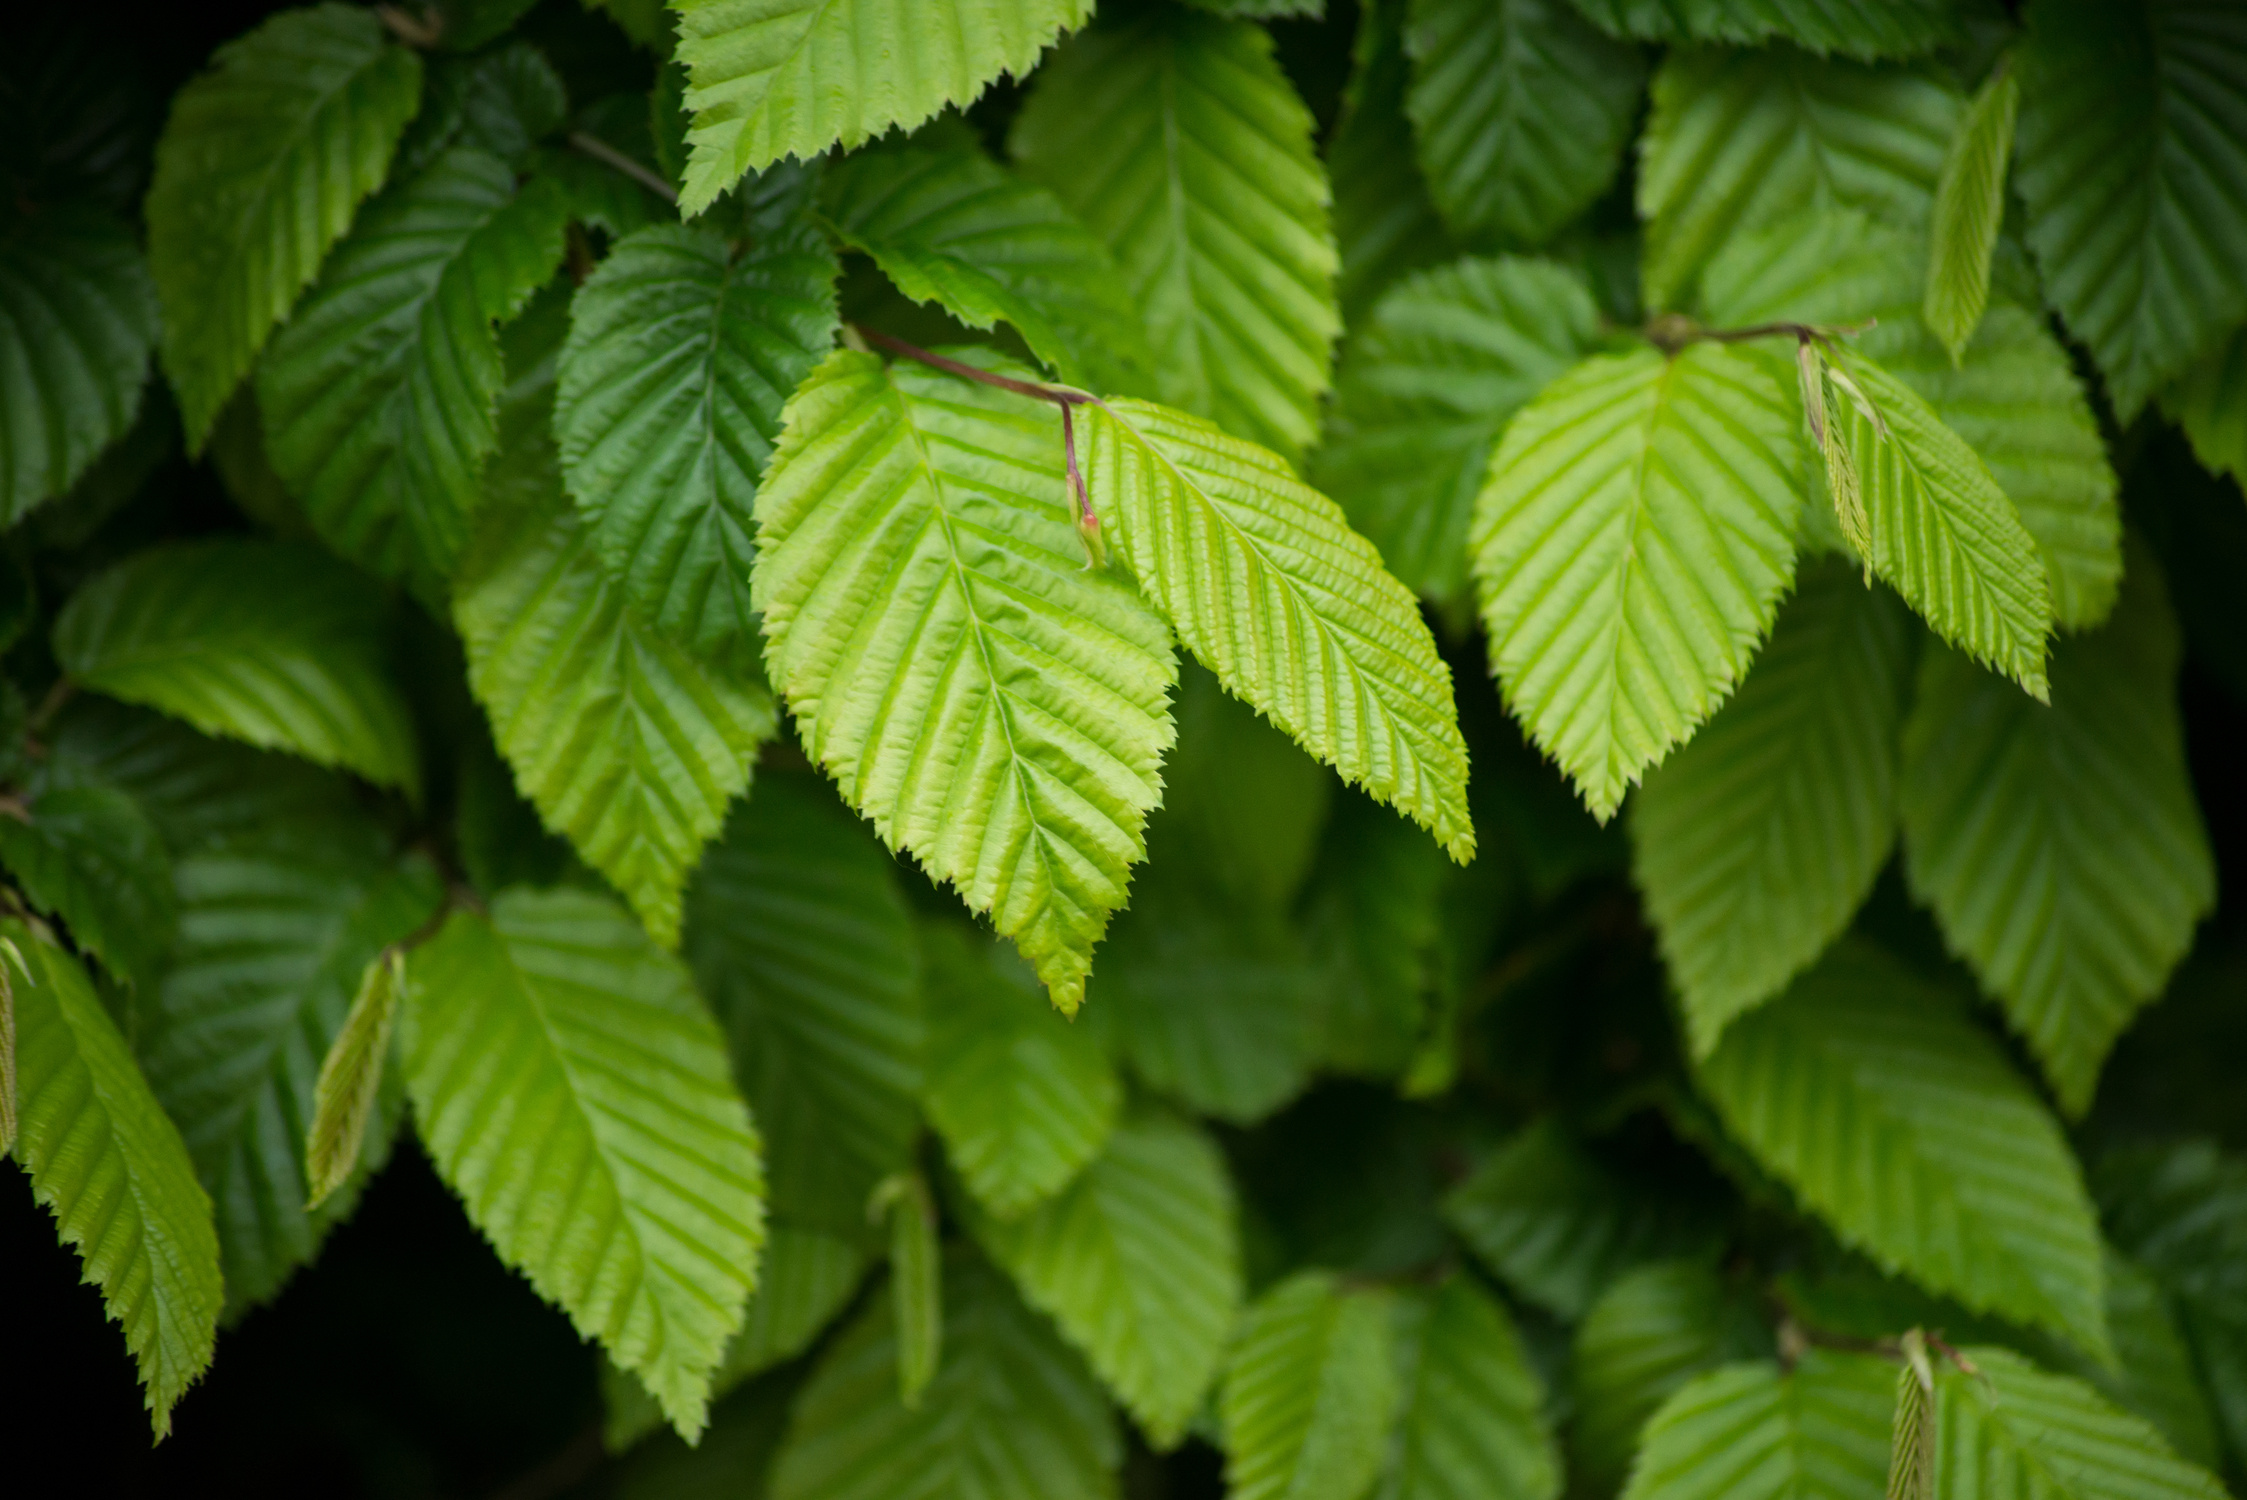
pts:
[1631, 543]
[1181, 143]
[77, 322]
[2010, 1431]
[1903, 1126]
[774, 78]
[1866, 29]
[90, 856]
[1264, 580]
[955, 228]
[351, 1077]
[1139, 1263]
[2210, 403]
[1521, 110]
[1310, 1392]
[992, 707]
[2060, 846]
[915, 1281]
[572, 1089]
[1757, 842]
[111, 1168]
[257, 175]
[1749, 1432]
[1653, 1330]
[2133, 169]
[1969, 205]
[1384, 223]
[668, 398]
[1472, 1421]
[272, 643]
[1426, 387]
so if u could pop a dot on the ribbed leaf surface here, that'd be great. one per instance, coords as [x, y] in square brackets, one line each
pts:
[110, 1167]
[774, 78]
[572, 1089]
[349, 1085]
[380, 398]
[2210, 403]
[1472, 1421]
[90, 856]
[989, 704]
[1903, 1126]
[1022, 1097]
[803, 944]
[2015, 1431]
[1384, 222]
[1748, 1432]
[1139, 1262]
[1181, 143]
[1739, 140]
[1631, 544]
[1310, 1392]
[1521, 109]
[275, 933]
[272, 643]
[1649, 1333]
[1757, 842]
[2133, 168]
[668, 402]
[1969, 206]
[258, 172]
[955, 228]
[1011, 1414]
[1264, 580]
[1427, 384]
[2158, 1378]
[2060, 847]
[77, 322]
[1857, 28]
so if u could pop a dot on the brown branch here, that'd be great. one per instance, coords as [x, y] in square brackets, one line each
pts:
[1672, 332]
[420, 32]
[608, 156]
[1057, 394]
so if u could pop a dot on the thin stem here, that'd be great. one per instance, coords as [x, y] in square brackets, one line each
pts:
[65, 689]
[420, 32]
[1059, 395]
[608, 156]
[1672, 332]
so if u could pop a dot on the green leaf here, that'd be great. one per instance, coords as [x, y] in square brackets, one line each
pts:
[803, 943]
[1652, 1330]
[1902, 1125]
[275, 933]
[2133, 169]
[954, 228]
[1139, 1263]
[272, 643]
[1473, 1420]
[2210, 403]
[1631, 544]
[79, 321]
[1756, 843]
[1310, 1392]
[1427, 386]
[1179, 141]
[111, 1168]
[1242, 804]
[1011, 1414]
[89, 856]
[1740, 140]
[504, 101]
[1373, 920]
[1521, 110]
[775, 78]
[264, 160]
[1384, 223]
[926, 604]
[668, 402]
[380, 398]
[1969, 206]
[629, 744]
[2060, 846]
[2011, 1431]
[351, 1078]
[1022, 1098]
[2155, 1375]
[915, 1282]
[623, 1180]
[1857, 28]
[1749, 1432]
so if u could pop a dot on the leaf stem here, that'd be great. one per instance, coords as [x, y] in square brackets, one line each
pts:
[1672, 332]
[1058, 395]
[420, 32]
[608, 156]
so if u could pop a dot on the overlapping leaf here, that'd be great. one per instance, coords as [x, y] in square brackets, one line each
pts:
[1384, 223]
[1856, 28]
[89, 855]
[1749, 1432]
[349, 1088]
[1472, 1417]
[1969, 206]
[1651, 1331]
[2011, 1431]
[1310, 1391]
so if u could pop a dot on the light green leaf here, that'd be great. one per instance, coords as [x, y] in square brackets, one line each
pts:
[259, 170]
[927, 607]
[1521, 109]
[1310, 1392]
[804, 946]
[1631, 544]
[351, 1078]
[2133, 169]
[915, 1282]
[1756, 843]
[1384, 223]
[1652, 1330]
[2012, 1431]
[275, 932]
[1903, 1126]
[668, 402]
[623, 1180]
[2210, 403]
[1177, 138]
[954, 228]
[1426, 387]
[272, 643]
[89, 856]
[1749, 1432]
[380, 398]
[1857, 28]
[775, 78]
[1022, 1097]
[110, 1167]
[1139, 1263]
[1969, 206]
[2060, 846]
[1473, 1421]
[1011, 1414]
[1740, 140]
[77, 322]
